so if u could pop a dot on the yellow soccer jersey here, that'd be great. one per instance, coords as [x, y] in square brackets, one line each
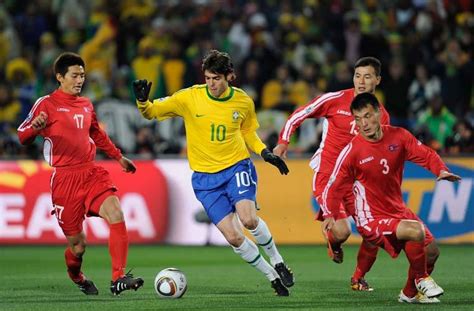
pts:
[218, 130]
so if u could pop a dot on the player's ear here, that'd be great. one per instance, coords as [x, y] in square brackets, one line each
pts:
[231, 76]
[59, 77]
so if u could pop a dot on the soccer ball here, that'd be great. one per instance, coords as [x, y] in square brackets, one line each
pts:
[170, 283]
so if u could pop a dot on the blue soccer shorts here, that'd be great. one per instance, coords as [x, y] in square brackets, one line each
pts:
[219, 192]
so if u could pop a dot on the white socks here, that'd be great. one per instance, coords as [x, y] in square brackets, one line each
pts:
[264, 239]
[249, 252]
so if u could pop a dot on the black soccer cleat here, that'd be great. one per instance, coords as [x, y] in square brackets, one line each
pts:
[88, 287]
[279, 288]
[126, 282]
[285, 273]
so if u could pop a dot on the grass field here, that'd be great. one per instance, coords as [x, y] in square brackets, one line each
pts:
[34, 278]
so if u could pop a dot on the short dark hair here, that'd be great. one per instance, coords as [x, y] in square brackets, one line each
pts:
[369, 61]
[217, 62]
[363, 100]
[65, 60]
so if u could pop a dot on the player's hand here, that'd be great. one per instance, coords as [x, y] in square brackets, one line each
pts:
[327, 225]
[275, 160]
[445, 175]
[141, 89]
[127, 165]
[281, 150]
[40, 121]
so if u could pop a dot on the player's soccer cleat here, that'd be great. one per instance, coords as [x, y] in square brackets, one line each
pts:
[428, 287]
[419, 298]
[337, 255]
[360, 285]
[88, 287]
[279, 288]
[126, 282]
[285, 273]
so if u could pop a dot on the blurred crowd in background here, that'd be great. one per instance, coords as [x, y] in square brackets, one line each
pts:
[284, 53]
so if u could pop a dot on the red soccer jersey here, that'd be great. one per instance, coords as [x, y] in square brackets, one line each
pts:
[71, 133]
[374, 172]
[338, 130]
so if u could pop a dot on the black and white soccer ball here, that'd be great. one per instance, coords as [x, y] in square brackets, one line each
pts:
[170, 283]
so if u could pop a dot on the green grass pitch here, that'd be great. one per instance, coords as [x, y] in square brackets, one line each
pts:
[34, 278]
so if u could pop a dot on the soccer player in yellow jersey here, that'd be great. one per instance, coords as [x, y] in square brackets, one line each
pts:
[221, 123]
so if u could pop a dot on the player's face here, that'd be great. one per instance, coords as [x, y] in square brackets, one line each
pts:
[365, 80]
[368, 121]
[216, 83]
[72, 81]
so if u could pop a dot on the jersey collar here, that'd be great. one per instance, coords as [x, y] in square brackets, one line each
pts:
[223, 99]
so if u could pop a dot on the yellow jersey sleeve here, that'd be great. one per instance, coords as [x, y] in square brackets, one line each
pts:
[249, 130]
[163, 108]
[218, 130]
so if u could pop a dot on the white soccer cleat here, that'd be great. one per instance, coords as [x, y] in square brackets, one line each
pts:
[428, 287]
[419, 298]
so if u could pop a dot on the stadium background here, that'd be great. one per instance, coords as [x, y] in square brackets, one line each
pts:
[284, 53]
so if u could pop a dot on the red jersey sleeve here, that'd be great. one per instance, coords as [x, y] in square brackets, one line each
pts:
[316, 108]
[340, 182]
[102, 140]
[422, 155]
[385, 117]
[26, 133]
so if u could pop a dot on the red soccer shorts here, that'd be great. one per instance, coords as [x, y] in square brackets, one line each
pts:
[382, 232]
[320, 180]
[77, 192]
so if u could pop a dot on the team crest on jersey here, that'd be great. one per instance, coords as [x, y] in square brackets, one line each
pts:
[235, 115]
[86, 109]
[393, 147]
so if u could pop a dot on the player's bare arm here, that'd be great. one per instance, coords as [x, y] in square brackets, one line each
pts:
[281, 150]
[40, 121]
[127, 165]
[445, 175]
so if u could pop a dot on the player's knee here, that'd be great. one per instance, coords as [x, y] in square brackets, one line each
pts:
[79, 249]
[249, 223]
[417, 232]
[116, 215]
[341, 232]
[111, 211]
[235, 239]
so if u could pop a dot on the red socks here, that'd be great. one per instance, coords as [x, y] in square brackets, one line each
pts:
[416, 254]
[118, 249]
[73, 264]
[365, 259]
